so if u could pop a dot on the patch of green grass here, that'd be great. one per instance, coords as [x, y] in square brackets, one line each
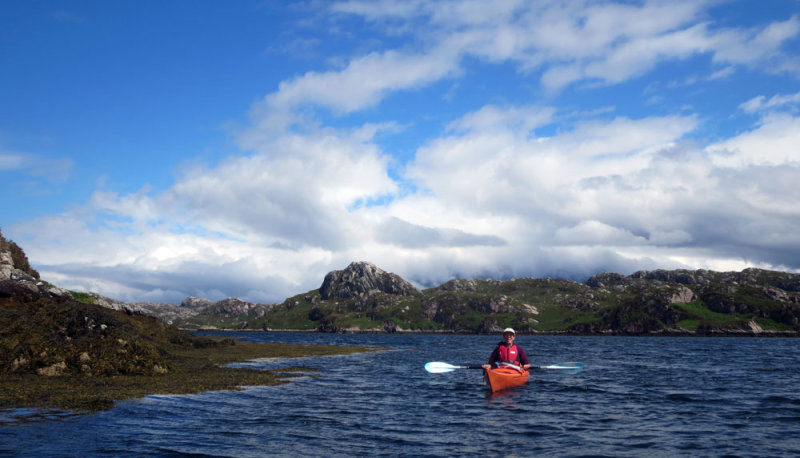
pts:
[772, 325]
[697, 311]
[560, 318]
[689, 325]
[83, 298]
[359, 322]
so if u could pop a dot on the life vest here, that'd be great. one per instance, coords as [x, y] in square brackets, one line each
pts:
[509, 354]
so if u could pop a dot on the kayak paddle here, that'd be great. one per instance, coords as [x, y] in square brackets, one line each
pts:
[436, 367]
[565, 368]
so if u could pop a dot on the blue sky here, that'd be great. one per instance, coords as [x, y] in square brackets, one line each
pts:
[157, 150]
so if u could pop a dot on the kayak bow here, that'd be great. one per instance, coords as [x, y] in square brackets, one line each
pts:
[503, 378]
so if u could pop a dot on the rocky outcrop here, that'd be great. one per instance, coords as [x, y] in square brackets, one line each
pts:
[682, 295]
[194, 307]
[114, 304]
[362, 279]
[19, 282]
[12, 255]
[168, 313]
[233, 306]
[606, 280]
[458, 284]
[648, 311]
[196, 302]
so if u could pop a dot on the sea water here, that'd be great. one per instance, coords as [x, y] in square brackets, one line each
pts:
[637, 396]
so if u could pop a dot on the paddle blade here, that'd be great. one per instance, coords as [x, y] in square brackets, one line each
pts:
[436, 367]
[565, 368]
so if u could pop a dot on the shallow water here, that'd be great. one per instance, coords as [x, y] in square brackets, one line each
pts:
[637, 396]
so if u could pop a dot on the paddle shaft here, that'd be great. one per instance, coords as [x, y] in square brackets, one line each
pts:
[440, 367]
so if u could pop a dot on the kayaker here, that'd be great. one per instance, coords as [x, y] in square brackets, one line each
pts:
[508, 352]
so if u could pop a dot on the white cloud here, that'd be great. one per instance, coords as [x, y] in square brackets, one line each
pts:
[758, 45]
[590, 233]
[569, 42]
[53, 170]
[519, 119]
[296, 189]
[775, 142]
[12, 161]
[583, 40]
[760, 103]
[363, 82]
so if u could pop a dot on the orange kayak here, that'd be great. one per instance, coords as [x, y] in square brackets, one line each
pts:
[503, 378]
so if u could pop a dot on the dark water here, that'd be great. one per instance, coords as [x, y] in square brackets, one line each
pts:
[636, 397]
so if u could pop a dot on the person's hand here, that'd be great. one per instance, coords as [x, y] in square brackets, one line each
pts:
[486, 366]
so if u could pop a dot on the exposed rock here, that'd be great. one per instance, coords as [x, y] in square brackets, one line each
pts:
[605, 280]
[686, 277]
[585, 302]
[114, 304]
[364, 279]
[196, 302]
[233, 306]
[24, 290]
[458, 284]
[682, 295]
[53, 370]
[20, 361]
[753, 327]
[168, 313]
[776, 294]
[489, 326]
[391, 327]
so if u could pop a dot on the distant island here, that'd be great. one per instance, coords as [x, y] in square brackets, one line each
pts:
[364, 298]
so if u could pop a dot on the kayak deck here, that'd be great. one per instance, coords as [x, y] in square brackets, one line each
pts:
[503, 378]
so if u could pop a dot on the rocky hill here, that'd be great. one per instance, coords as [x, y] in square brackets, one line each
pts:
[361, 280]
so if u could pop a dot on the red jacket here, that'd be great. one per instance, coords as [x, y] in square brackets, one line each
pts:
[501, 353]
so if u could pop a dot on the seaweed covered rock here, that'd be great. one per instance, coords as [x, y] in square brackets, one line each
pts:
[57, 336]
[49, 331]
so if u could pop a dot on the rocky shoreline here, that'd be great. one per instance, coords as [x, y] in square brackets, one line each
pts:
[660, 333]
